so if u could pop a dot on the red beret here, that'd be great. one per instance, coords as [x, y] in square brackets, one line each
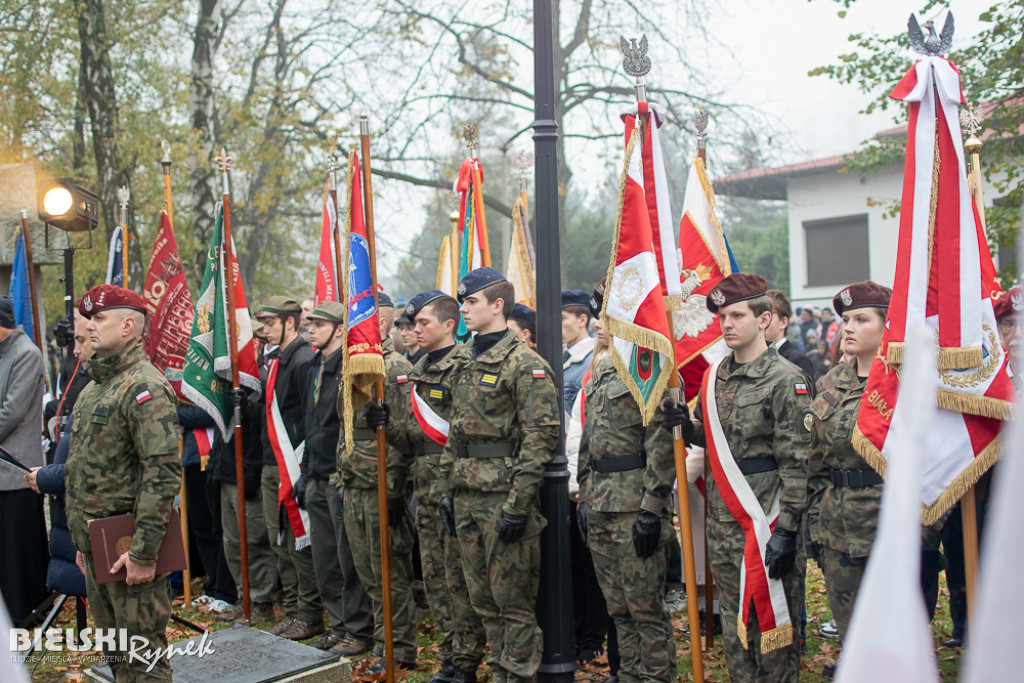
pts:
[1009, 302]
[735, 288]
[865, 294]
[105, 297]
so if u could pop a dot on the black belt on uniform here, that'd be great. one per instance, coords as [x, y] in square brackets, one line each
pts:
[483, 451]
[364, 434]
[855, 479]
[428, 448]
[620, 463]
[756, 465]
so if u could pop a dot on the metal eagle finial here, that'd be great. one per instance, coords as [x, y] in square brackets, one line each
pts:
[521, 164]
[970, 119]
[934, 45]
[166, 159]
[123, 195]
[700, 123]
[471, 133]
[636, 63]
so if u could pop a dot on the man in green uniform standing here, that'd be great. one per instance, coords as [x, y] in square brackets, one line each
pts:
[626, 471]
[420, 429]
[125, 445]
[749, 416]
[361, 509]
[503, 430]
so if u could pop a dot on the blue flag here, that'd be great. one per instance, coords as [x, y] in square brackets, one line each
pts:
[115, 260]
[19, 288]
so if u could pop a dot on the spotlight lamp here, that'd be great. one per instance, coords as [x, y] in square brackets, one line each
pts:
[67, 205]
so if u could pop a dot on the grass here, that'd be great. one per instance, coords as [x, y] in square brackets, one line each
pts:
[820, 651]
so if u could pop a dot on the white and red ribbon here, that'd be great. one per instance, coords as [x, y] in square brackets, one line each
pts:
[767, 595]
[432, 424]
[288, 458]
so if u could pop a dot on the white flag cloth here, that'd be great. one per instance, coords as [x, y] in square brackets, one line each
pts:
[890, 640]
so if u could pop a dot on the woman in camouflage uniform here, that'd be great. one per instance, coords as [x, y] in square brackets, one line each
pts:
[844, 493]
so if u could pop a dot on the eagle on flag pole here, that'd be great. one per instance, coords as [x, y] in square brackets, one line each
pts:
[364, 351]
[634, 302]
[945, 280]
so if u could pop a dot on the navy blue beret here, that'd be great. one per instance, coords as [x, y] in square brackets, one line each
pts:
[523, 313]
[478, 279]
[417, 303]
[384, 300]
[575, 297]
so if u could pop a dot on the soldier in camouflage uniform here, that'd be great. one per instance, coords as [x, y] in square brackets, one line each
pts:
[626, 471]
[844, 492]
[504, 428]
[761, 399]
[361, 509]
[435, 315]
[125, 460]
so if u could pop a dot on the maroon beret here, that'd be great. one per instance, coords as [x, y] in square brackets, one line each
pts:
[105, 297]
[735, 288]
[865, 294]
[1009, 302]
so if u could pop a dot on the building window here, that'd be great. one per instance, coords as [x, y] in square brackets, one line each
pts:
[837, 250]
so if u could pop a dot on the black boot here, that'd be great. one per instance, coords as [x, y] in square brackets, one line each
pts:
[464, 676]
[446, 674]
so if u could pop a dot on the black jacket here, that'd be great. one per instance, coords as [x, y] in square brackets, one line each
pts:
[62, 574]
[322, 422]
[222, 455]
[289, 387]
[793, 355]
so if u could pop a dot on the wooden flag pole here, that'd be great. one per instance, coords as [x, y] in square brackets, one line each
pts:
[186, 574]
[709, 584]
[224, 161]
[378, 395]
[679, 448]
[971, 120]
[454, 248]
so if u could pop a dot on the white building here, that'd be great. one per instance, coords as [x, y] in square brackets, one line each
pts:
[840, 230]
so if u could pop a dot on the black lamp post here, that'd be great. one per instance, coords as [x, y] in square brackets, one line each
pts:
[554, 602]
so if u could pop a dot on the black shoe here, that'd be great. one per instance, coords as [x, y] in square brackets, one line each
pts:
[464, 676]
[954, 642]
[829, 671]
[446, 674]
[378, 667]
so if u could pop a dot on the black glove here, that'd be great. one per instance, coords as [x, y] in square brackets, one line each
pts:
[446, 511]
[511, 527]
[780, 553]
[396, 509]
[817, 552]
[677, 414]
[581, 521]
[377, 415]
[299, 491]
[341, 498]
[646, 533]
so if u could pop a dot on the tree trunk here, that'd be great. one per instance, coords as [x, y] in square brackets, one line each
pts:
[204, 176]
[101, 103]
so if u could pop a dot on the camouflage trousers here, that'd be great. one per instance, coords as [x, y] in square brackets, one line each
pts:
[142, 610]
[462, 634]
[843, 575]
[634, 589]
[262, 564]
[503, 579]
[295, 567]
[362, 523]
[745, 661]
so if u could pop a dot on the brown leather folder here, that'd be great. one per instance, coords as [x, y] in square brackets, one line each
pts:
[112, 537]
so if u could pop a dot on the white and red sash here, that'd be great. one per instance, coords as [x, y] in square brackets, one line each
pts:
[432, 424]
[204, 442]
[288, 459]
[768, 595]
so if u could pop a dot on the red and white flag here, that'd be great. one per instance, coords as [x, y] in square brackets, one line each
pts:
[944, 279]
[703, 262]
[326, 271]
[634, 303]
[169, 311]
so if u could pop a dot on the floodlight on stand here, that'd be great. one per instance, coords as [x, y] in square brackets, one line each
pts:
[65, 204]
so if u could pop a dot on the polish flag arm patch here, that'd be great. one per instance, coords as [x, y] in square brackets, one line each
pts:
[402, 379]
[800, 388]
[143, 396]
[539, 373]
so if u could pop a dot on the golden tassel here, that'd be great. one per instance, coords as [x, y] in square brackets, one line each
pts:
[777, 638]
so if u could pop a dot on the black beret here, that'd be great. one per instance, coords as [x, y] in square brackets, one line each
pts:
[575, 297]
[524, 314]
[417, 303]
[384, 300]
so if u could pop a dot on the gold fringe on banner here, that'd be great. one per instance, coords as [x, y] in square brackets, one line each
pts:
[741, 631]
[894, 353]
[777, 638]
[867, 450]
[972, 404]
[960, 357]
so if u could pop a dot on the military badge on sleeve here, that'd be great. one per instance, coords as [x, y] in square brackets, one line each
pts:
[808, 420]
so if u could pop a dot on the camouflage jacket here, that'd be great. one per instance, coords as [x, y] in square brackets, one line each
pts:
[433, 383]
[124, 451]
[505, 396]
[843, 518]
[612, 428]
[358, 469]
[761, 408]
